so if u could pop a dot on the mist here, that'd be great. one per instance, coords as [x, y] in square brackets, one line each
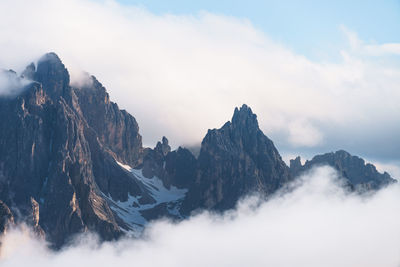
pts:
[11, 84]
[313, 222]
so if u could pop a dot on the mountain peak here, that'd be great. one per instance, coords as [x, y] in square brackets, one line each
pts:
[342, 154]
[244, 116]
[51, 56]
[52, 74]
[50, 61]
[163, 147]
[235, 160]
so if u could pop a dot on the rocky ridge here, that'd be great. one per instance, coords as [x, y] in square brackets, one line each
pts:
[359, 174]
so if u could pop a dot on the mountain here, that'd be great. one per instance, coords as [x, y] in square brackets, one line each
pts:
[358, 174]
[235, 160]
[71, 161]
[45, 157]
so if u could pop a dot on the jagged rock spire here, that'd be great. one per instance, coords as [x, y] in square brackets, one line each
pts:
[52, 74]
[244, 117]
[235, 160]
[163, 146]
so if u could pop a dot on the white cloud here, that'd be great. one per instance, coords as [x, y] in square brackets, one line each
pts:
[390, 48]
[317, 224]
[180, 75]
[302, 133]
[11, 84]
[369, 49]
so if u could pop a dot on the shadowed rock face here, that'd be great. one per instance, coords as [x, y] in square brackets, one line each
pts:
[115, 128]
[354, 169]
[235, 160]
[52, 75]
[181, 166]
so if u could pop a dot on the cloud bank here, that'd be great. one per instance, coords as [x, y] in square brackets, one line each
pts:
[182, 74]
[316, 224]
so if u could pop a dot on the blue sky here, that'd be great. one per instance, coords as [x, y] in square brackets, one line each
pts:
[308, 27]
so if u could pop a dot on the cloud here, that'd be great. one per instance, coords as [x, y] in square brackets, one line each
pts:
[390, 48]
[369, 49]
[11, 84]
[182, 74]
[80, 79]
[316, 224]
[302, 133]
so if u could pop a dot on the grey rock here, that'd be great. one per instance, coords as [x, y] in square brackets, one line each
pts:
[359, 174]
[45, 159]
[235, 160]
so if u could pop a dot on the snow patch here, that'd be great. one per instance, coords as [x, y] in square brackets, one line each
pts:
[130, 211]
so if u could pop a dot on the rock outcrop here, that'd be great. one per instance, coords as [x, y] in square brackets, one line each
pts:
[235, 160]
[358, 174]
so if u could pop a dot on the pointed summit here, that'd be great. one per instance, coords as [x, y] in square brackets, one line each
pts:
[52, 74]
[51, 56]
[51, 61]
[235, 160]
[163, 148]
[244, 117]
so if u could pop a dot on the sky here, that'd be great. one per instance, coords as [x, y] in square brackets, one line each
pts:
[320, 75]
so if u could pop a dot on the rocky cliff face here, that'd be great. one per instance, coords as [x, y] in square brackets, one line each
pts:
[67, 159]
[115, 128]
[360, 175]
[46, 162]
[235, 160]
